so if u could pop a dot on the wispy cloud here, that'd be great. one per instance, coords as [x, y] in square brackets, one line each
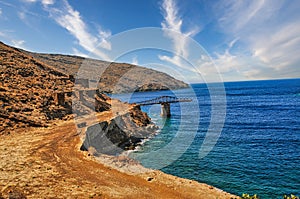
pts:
[18, 43]
[29, 1]
[242, 12]
[2, 34]
[79, 53]
[269, 30]
[22, 15]
[44, 2]
[31, 19]
[9, 37]
[47, 2]
[172, 26]
[135, 61]
[72, 21]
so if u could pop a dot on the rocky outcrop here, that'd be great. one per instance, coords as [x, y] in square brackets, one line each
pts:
[121, 133]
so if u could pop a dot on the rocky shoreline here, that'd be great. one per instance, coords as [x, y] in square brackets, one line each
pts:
[121, 133]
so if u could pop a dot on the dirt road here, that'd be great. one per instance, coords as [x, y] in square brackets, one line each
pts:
[47, 163]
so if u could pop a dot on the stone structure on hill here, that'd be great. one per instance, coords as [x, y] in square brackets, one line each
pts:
[59, 98]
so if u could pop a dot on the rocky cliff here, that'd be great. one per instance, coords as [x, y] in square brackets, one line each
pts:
[123, 132]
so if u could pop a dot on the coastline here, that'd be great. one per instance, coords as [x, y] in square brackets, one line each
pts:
[48, 162]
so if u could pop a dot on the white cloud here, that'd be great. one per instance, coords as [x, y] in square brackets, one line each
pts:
[22, 15]
[172, 26]
[29, 18]
[78, 53]
[2, 34]
[44, 2]
[242, 12]
[18, 43]
[281, 48]
[225, 63]
[71, 20]
[0, 11]
[135, 61]
[103, 35]
[47, 2]
[270, 32]
[29, 1]
[8, 37]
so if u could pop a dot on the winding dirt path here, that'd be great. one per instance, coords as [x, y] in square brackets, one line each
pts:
[47, 163]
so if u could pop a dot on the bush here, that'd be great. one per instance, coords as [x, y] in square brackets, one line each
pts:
[290, 197]
[247, 196]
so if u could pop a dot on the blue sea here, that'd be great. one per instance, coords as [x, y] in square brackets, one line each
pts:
[257, 150]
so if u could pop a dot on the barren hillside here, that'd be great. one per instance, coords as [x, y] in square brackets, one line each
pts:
[112, 77]
[27, 90]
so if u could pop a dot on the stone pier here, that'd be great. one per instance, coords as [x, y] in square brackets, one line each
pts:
[165, 110]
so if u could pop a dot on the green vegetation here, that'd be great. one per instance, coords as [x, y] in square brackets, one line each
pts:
[290, 197]
[247, 196]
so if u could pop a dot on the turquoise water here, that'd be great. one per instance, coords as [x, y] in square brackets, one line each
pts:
[258, 151]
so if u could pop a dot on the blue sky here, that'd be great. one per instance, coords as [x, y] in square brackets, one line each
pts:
[241, 40]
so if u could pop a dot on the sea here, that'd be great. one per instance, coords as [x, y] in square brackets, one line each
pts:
[241, 137]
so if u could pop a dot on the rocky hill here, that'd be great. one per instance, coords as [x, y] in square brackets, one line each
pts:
[112, 77]
[27, 90]
[33, 93]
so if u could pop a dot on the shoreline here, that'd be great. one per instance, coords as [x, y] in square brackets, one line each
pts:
[125, 164]
[48, 162]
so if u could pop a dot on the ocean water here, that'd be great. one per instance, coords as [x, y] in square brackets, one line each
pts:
[258, 150]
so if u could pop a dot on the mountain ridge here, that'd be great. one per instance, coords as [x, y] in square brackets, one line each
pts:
[112, 77]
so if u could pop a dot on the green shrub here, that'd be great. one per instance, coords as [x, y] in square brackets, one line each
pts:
[247, 196]
[290, 197]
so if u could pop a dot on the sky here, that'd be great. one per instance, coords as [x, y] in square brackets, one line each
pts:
[199, 40]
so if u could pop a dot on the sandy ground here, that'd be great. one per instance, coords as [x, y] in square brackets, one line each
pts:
[47, 163]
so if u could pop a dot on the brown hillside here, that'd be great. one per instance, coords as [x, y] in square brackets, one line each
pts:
[115, 77]
[27, 88]
[29, 92]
